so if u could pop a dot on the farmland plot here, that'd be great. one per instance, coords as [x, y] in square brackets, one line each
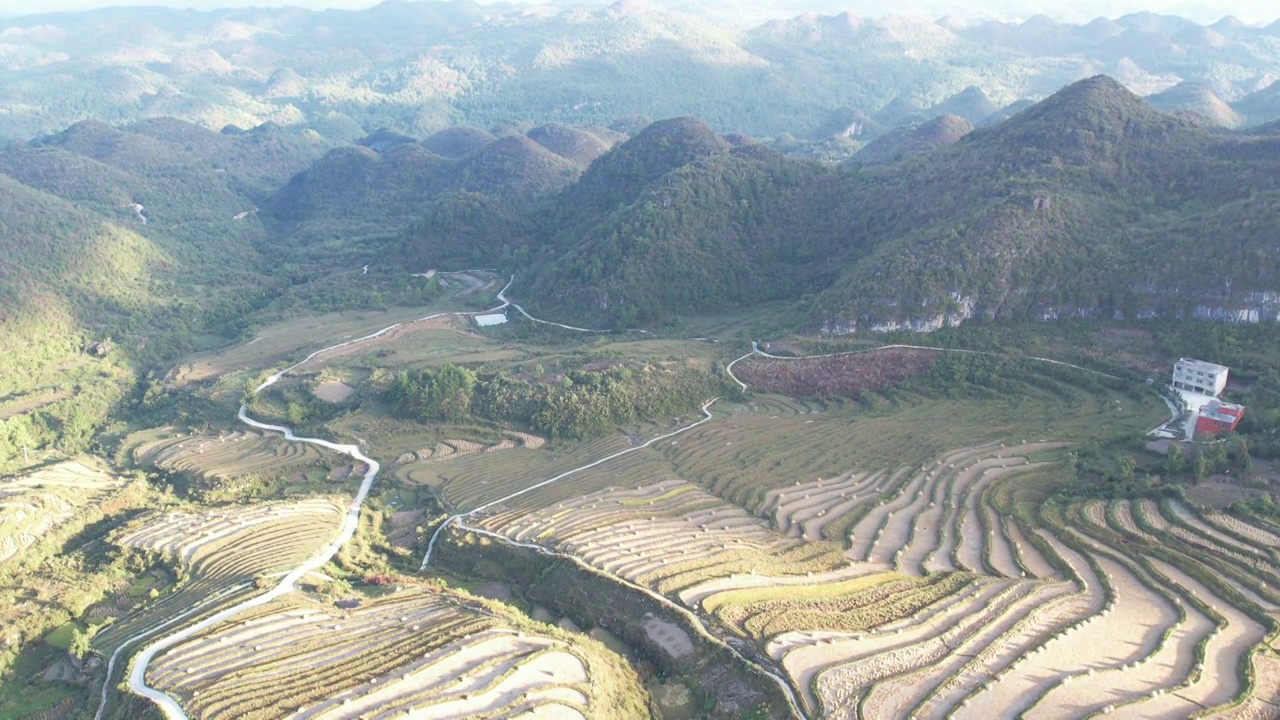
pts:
[416, 653]
[222, 551]
[422, 467]
[668, 535]
[835, 626]
[949, 607]
[944, 606]
[34, 505]
[876, 555]
[225, 456]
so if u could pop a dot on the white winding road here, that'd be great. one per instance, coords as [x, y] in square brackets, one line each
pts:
[138, 670]
[140, 661]
[431, 545]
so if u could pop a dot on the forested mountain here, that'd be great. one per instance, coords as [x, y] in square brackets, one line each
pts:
[356, 196]
[108, 232]
[1088, 204]
[417, 67]
[914, 138]
[1091, 203]
[120, 248]
[1198, 99]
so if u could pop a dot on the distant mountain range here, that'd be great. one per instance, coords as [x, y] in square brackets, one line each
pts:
[418, 67]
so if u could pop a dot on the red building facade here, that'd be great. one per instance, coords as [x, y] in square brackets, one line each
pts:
[1218, 417]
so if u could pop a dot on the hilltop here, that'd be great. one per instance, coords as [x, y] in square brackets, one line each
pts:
[911, 139]
[418, 68]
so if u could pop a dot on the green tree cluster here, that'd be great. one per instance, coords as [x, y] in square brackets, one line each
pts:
[442, 394]
[582, 403]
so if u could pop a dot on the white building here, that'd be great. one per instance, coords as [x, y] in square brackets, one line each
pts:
[1198, 376]
[492, 319]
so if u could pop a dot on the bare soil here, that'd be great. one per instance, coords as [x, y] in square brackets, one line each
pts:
[334, 391]
[838, 375]
[1220, 493]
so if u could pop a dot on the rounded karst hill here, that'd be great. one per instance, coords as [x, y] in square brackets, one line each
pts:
[574, 144]
[514, 167]
[1199, 100]
[913, 139]
[972, 104]
[654, 151]
[458, 141]
[1085, 124]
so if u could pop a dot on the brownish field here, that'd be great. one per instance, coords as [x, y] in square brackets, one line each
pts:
[837, 375]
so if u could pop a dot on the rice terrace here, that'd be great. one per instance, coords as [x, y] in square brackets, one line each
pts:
[406, 514]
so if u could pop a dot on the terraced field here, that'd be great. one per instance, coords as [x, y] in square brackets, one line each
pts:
[34, 505]
[222, 551]
[946, 602]
[669, 535]
[904, 556]
[775, 442]
[422, 467]
[416, 653]
[226, 456]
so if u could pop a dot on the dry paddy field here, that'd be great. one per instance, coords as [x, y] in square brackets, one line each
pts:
[36, 504]
[295, 338]
[912, 591]
[423, 466]
[416, 653]
[228, 455]
[221, 551]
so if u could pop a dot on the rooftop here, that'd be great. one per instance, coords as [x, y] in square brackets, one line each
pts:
[494, 319]
[1223, 412]
[1208, 367]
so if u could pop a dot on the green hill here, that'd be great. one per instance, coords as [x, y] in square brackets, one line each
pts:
[1088, 204]
[577, 145]
[911, 139]
[458, 141]
[1199, 100]
[1083, 205]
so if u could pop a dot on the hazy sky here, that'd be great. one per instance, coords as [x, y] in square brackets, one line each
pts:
[1253, 11]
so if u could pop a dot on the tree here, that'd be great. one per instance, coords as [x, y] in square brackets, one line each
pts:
[1175, 462]
[1218, 461]
[1126, 465]
[1201, 465]
[79, 646]
[1240, 454]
